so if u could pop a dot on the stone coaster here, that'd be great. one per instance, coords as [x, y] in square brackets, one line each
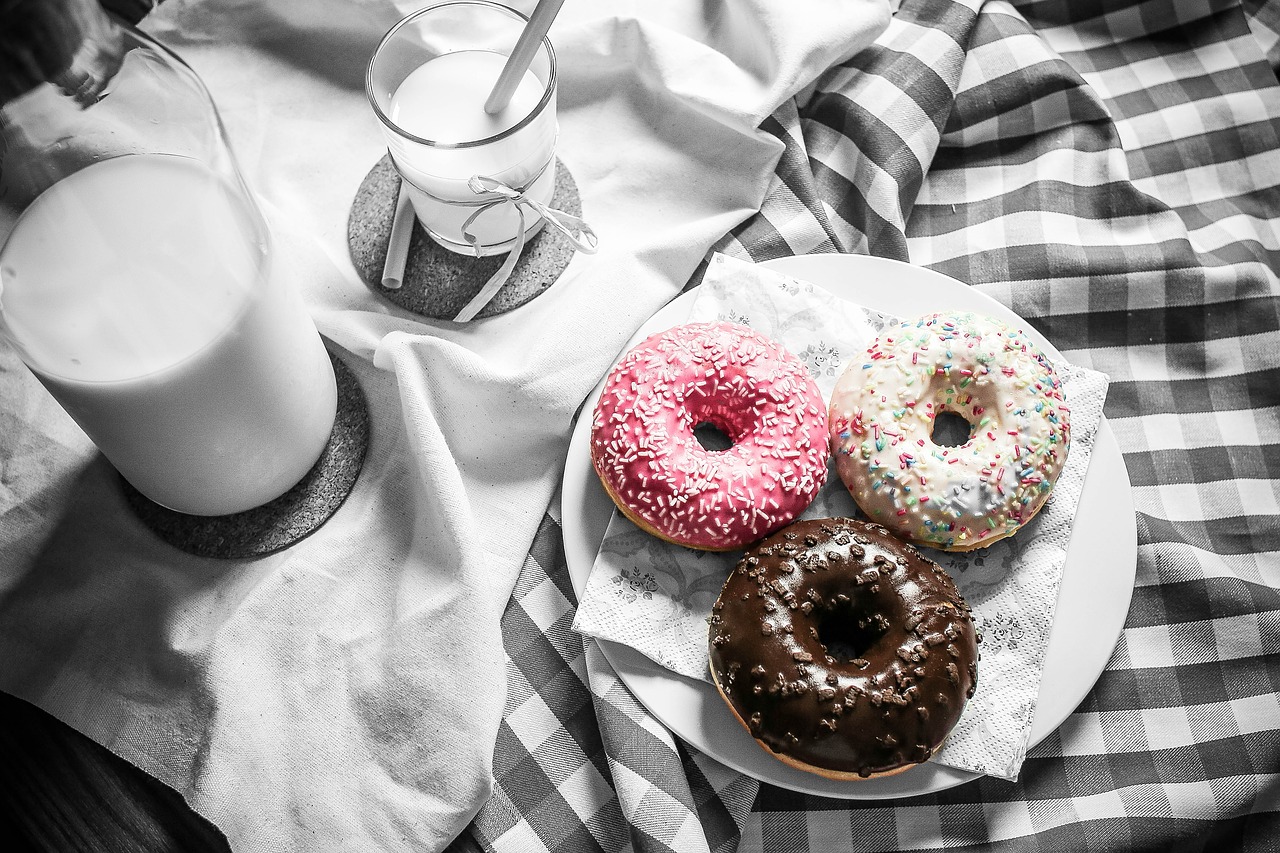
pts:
[438, 283]
[287, 519]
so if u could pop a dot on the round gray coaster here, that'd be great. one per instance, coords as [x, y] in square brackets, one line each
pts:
[289, 518]
[438, 283]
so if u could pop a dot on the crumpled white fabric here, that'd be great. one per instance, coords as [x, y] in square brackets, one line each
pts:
[656, 597]
[345, 694]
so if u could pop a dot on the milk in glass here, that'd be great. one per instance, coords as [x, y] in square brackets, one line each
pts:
[139, 291]
[442, 102]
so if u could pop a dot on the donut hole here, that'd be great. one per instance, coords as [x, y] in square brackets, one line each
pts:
[849, 633]
[950, 429]
[711, 437]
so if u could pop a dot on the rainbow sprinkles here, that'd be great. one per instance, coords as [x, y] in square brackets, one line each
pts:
[885, 407]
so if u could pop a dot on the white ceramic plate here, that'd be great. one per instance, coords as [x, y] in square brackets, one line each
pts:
[1093, 600]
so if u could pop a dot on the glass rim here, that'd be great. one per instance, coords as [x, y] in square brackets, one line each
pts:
[470, 143]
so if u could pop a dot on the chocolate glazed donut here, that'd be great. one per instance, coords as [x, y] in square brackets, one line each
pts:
[842, 649]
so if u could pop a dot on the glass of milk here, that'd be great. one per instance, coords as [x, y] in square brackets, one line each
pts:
[137, 282]
[427, 82]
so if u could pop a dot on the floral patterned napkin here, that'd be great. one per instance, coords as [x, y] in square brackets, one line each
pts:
[655, 597]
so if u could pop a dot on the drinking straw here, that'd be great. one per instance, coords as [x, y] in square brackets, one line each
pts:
[522, 54]
[398, 245]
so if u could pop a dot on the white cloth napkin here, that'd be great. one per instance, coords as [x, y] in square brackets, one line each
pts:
[656, 597]
[345, 694]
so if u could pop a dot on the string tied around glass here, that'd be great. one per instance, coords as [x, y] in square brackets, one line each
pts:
[574, 228]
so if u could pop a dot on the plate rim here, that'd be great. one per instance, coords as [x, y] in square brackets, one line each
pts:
[635, 670]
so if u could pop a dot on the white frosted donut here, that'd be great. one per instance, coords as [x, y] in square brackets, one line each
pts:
[957, 498]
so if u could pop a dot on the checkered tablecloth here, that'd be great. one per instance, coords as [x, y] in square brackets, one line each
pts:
[1111, 172]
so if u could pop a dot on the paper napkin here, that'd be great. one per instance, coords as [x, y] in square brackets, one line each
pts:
[656, 597]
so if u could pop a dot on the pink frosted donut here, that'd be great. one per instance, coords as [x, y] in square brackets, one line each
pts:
[740, 382]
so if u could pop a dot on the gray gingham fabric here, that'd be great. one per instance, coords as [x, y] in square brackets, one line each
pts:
[1111, 172]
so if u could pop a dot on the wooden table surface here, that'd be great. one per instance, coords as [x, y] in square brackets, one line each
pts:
[61, 792]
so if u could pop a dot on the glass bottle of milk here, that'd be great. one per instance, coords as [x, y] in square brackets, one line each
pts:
[136, 277]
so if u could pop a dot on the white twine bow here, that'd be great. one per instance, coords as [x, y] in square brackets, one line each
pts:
[574, 228]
